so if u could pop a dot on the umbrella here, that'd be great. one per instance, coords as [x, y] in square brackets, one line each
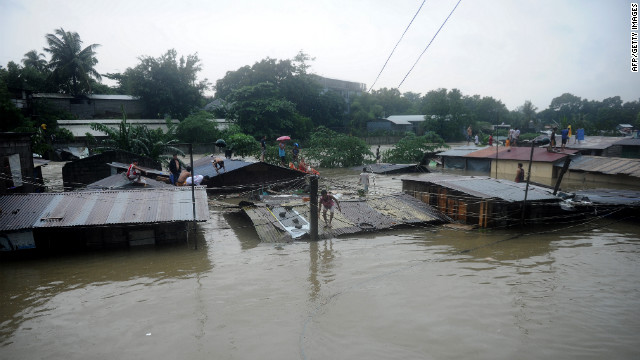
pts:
[221, 143]
[283, 138]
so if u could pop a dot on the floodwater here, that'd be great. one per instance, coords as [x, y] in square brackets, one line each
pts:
[556, 292]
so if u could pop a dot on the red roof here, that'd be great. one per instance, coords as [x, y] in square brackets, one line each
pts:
[521, 153]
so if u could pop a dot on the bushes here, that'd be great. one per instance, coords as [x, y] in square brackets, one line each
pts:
[411, 148]
[331, 149]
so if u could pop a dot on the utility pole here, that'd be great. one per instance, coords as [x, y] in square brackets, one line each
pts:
[313, 202]
[193, 195]
[526, 189]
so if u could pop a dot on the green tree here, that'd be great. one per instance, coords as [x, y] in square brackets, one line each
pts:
[412, 148]
[198, 128]
[166, 85]
[35, 60]
[260, 110]
[138, 139]
[332, 149]
[243, 145]
[72, 66]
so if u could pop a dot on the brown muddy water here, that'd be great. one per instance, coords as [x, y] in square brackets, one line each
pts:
[557, 292]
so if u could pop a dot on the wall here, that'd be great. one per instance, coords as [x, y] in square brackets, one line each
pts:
[17, 143]
[540, 171]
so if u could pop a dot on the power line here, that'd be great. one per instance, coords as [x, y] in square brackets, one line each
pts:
[433, 38]
[394, 48]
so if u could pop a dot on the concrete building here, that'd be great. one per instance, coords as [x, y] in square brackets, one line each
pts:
[79, 128]
[93, 106]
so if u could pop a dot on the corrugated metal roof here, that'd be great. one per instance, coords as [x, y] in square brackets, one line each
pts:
[611, 196]
[95, 208]
[606, 165]
[405, 119]
[628, 141]
[463, 150]
[203, 166]
[486, 187]
[120, 181]
[113, 97]
[356, 216]
[521, 153]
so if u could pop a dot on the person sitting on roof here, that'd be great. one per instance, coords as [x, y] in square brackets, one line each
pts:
[134, 173]
[218, 163]
[302, 166]
[182, 179]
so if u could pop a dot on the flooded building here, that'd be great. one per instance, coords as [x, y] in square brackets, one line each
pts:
[82, 172]
[484, 201]
[604, 170]
[282, 220]
[99, 219]
[239, 175]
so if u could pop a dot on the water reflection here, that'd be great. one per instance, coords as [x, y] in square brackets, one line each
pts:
[243, 229]
[28, 287]
[321, 256]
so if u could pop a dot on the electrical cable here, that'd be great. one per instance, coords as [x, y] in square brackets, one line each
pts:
[394, 48]
[429, 44]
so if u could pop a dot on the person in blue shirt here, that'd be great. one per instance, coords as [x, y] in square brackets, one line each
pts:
[565, 137]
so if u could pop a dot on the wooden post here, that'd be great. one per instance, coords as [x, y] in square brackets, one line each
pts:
[193, 195]
[313, 202]
[565, 167]
[526, 189]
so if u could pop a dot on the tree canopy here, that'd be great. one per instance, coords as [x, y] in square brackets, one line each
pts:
[72, 66]
[168, 86]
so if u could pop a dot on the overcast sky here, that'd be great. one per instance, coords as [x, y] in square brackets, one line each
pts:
[513, 50]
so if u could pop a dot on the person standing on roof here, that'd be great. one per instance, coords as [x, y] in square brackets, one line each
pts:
[295, 152]
[263, 146]
[364, 179]
[327, 201]
[565, 137]
[218, 163]
[175, 168]
[519, 173]
[282, 153]
[469, 133]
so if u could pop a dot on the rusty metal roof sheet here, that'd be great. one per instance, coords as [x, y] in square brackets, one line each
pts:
[606, 165]
[521, 153]
[96, 208]
[488, 188]
[356, 216]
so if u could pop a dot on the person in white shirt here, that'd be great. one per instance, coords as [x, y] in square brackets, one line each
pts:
[364, 180]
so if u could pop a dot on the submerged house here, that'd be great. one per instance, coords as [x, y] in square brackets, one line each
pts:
[484, 201]
[80, 173]
[99, 219]
[283, 219]
[242, 175]
[598, 169]
[503, 161]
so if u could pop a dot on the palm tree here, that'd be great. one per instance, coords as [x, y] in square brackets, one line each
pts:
[35, 60]
[72, 67]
